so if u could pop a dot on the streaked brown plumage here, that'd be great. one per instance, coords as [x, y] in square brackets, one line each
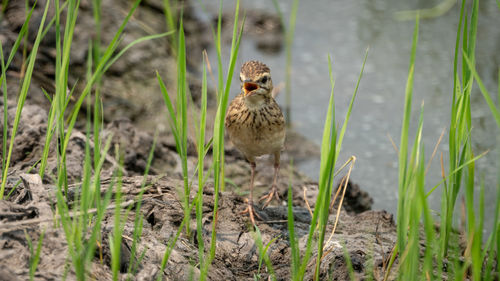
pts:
[255, 123]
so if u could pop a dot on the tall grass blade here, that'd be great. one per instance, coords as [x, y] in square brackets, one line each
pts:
[263, 253]
[402, 218]
[290, 32]
[34, 253]
[22, 98]
[115, 238]
[409, 261]
[289, 35]
[293, 240]
[351, 104]
[218, 133]
[328, 156]
[3, 86]
[98, 116]
[132, 44]
[331, 144]
[201, 157]
[97, 73]
[182, 117]
[138, 220]
[3, 83]
[171, 20]
[460, 149]
[171, 246]
[487, 97]
[326, 161]
[177, 117]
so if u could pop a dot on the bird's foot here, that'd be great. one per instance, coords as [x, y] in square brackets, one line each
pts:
[251, 211]
[272, 194]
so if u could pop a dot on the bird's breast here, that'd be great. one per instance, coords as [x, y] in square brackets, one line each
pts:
[256, 131]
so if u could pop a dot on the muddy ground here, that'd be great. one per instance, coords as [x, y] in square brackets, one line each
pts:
[133, 110]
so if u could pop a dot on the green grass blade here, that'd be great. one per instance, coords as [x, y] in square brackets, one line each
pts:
[280, 14]
[263, 256]
[182, 92]
[403, 146]
[326, 164]
[427, 220]
[101, 208]
[115, 238]
[237, 34]
[218, 131]
[487, 97]
[171, 246]
[138, 220]
[97, 73]
[3, 85]
[351, 103]
[201, 157]
[347, 258]
[293, 240]
[172, 119]
[289, 35]
[34, 254]
[20, 36]
[22, 98]
[171, 20]
[132, 44]
[329, 120]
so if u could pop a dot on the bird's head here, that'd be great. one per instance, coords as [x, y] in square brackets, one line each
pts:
[256, 83]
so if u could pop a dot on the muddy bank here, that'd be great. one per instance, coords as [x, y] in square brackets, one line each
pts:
[368, 237]
[133, 110]
[30, 208]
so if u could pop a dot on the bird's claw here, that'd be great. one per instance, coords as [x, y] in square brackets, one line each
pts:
[251, 212]
[269, 197]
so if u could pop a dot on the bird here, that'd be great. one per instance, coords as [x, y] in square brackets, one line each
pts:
[256, 126]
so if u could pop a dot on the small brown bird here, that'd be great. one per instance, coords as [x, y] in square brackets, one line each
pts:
[255, 124]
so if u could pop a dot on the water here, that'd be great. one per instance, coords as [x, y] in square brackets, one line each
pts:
[344, 29]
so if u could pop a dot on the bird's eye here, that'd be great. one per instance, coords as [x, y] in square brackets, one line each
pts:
[264, 79]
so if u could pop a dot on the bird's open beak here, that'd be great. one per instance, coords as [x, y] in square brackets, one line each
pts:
[249, 88]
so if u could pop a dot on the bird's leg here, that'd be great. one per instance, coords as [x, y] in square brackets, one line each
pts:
[251, 212]
[274, 188]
